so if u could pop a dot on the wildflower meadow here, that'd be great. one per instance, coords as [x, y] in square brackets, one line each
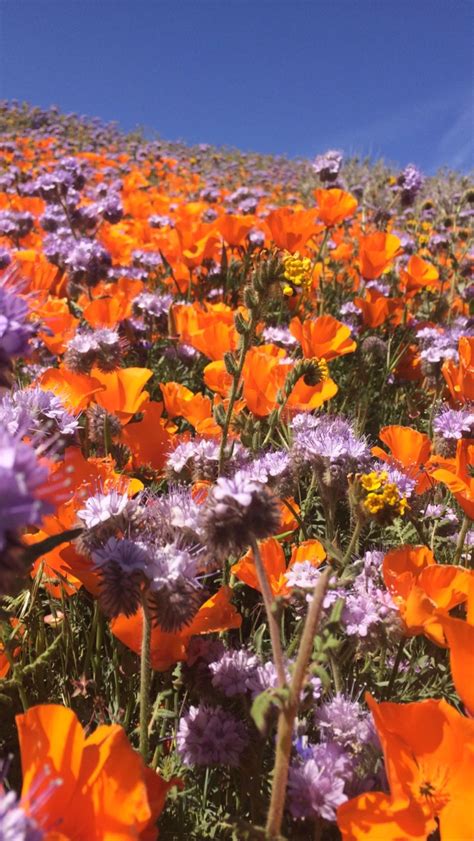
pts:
[236, 492]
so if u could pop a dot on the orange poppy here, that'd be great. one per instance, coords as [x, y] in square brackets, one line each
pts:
[424, 591]
[273, 559]
[324, 337]
[149, 440]
[457, 474]
[429, 760]
[76, 391]
[78, 786]
[235, 229]
[376, 308]
[334, 206]
[376, 253]
[195, 408]
[418, 275]
[264, 374]
[291, 230]
[217, 378]
[210, 330]
[409, 451]
[459, 634]
[460, 376]
[217, 614]
[59, 324]
[122, 393]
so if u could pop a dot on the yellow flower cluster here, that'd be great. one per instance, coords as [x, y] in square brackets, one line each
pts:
[382, 494]
[297, 273]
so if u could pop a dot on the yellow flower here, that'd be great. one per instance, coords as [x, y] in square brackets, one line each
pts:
[297, 270]
[374, 503]
[372, 481]
[390, 494]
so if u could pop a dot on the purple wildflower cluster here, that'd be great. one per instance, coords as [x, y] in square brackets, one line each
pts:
[210, 736]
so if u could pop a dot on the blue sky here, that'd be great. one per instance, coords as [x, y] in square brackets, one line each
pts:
[389, 78]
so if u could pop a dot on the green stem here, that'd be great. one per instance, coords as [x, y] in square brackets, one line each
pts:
[245, 344]
[353, 542]
[145, 680]
[461, 539]
[287, 715]
[396, 666]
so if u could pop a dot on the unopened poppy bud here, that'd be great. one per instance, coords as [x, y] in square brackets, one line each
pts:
[230, 363]
[241, 324]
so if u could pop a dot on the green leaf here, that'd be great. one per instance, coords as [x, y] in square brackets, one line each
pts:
[264, 703]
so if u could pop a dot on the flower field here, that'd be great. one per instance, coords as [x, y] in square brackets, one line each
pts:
[236, 492]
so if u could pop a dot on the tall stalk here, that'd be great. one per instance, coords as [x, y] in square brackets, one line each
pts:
[286, 718]
[145, 680]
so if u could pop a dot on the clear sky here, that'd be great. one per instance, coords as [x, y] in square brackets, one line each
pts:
[389, 78]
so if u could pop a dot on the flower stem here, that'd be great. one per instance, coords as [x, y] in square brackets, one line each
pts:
[461, 539]
[145, 680]
[269, 608]
[353, 541]
[287, 715]
[246, 341]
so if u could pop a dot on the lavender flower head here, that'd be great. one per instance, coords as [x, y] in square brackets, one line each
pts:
[175, 594]
[121, 565]
[345, 722]
[328, 165]
[369, 613]
[21, 482]
[102, 347]
[21, 478]
[238, 511]
[15, 824]
[330, 445]
[15, 330]
[152, 304]
[454, 424]
[35, 411]
[328, 437]
[410, 183]
[316, 782]
[232, 671]
[102, 507]
[210, 736]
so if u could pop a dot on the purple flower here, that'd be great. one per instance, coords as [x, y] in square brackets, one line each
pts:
[271, 465]
[369, 612]
[21, 477]
[410, 182]
[454, 424]
[175, 594]
[102, 507]
[152, 304]
[35, 411]
[210, 736]
[15, 331]
[316, 784]
[330, 438]
[121, 564]
[327, 166]
[15, 824]
[15, 224]
[344, 722]
[232, 671]
[237, 512]
[279, 336]
[87, 259]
